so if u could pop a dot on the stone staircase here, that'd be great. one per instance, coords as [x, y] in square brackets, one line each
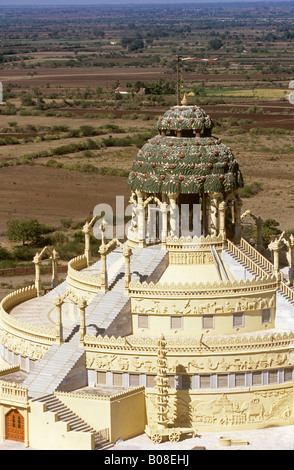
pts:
[147, 264]
[245, 262]
[284, 318]
[53, 368]
[236, 266]
[63, 366]
[75, 423]
[256, 261]
[284, 311]
[111, 309]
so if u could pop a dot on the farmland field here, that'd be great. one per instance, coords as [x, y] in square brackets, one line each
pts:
[67, 139]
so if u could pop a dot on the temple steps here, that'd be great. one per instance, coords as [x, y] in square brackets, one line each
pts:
[284, 311]
[52, 369]
[110, 309]
[104, 309]
[75, 423]
[256, 261]
[237, 267]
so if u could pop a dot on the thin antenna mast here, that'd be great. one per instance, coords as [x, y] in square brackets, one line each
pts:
[178, 79]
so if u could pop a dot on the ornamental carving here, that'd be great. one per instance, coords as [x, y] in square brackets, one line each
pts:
[120, 363]
[190, 258]
[190, 365]
[23, 347]
[261, 408]
[256, 409]
[135, 345]
[222, 288]
[156, 307]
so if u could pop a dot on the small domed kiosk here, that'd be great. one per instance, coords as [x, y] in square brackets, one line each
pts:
[183, 166]
[184, 327]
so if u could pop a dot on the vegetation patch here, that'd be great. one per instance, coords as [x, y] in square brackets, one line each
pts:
[250, 190]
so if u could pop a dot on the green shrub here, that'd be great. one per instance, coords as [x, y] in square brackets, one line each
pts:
[70, 250]
[23, 253]
[255, 110]
[54, 164]
[251, 190]
[69, 223]
[4, 254]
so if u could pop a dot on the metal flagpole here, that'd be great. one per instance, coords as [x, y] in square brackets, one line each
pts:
[178, 80]
[179, 58]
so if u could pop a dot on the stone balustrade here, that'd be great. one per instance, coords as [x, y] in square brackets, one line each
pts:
[81, 280]
[136, 346]
[14, 392]
[250, 263]
[219, 289]
[258, 256]
[194, 243]
[287, 290]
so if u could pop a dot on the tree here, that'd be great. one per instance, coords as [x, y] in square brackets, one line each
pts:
[133, 43]
[270, 228]
[25, 230]
[215, 44]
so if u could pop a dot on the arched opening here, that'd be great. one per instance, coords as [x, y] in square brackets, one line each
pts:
[38, 259]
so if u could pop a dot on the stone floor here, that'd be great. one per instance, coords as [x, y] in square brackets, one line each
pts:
[279, 438]
[276, 438]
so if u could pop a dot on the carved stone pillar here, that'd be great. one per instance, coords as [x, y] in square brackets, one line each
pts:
[37, 261]
[275, 248]
[127, 252]
[82, 304]
[291, 259]
[141, 219]
[59, 327]
[163, 209]
[103, 275]
[222, 218]
[54, 259]
[276, 260]
[87, 231]
[152, 223]
[174, 215]
[214, 214]
[134, 221]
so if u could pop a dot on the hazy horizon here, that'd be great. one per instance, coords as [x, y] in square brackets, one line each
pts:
[125, 2]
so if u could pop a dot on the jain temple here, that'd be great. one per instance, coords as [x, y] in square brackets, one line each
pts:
[183, 327]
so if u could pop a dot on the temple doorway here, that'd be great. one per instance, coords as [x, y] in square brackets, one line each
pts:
[15, 430]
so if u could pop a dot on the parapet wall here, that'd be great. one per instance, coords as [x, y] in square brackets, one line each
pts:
[24, 338]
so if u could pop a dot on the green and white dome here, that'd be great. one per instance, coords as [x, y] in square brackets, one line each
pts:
[188, 165]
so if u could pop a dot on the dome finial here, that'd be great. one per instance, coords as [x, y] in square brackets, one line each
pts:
[184, 101]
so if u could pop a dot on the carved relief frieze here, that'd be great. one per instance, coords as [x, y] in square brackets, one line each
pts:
[188, 365]
[121, 363]
[194, 307]
[261, 408]
[257, 408]
[22, 346]
[190, 257]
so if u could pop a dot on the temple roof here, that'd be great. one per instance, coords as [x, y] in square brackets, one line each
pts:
[184, 118]
[188, 165]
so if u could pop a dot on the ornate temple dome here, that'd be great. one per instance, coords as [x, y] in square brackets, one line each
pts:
[188, 160]
[184, 118]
